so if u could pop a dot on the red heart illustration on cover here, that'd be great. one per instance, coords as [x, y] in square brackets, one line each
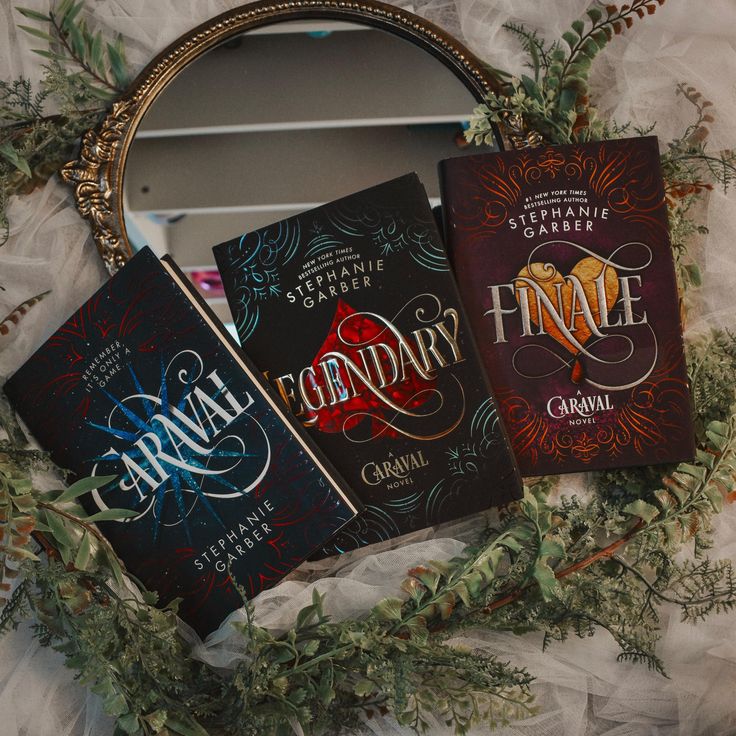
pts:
[349, 333]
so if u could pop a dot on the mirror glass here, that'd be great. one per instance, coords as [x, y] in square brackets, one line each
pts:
[280, 119]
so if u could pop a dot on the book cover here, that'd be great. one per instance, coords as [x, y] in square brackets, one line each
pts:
[352, 311]
[563, 259]
[144, 384]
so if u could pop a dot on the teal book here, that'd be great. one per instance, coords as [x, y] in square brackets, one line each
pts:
[352, 312]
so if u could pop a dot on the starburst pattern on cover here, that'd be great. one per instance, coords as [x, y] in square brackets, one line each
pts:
[178, 479]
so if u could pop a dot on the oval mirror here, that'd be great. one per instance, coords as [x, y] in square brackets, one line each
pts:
[264, 112]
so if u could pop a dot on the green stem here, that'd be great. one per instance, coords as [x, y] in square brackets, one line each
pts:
[327, 655]
[659, 594]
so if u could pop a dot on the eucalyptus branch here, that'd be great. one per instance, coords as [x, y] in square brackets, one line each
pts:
[79, 59]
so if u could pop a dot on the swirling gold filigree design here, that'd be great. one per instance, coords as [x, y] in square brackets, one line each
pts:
[98, 172]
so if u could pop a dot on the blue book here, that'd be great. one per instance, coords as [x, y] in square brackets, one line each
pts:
[144, 384]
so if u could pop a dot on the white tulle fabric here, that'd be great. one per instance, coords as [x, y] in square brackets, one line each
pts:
[580, 687]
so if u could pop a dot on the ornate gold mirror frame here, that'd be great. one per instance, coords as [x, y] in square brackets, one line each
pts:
[97, 175]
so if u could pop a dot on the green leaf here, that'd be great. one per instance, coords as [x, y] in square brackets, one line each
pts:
[568, 97]
[715, 497]
[150, 597]
[77, 41]
[531, 88]
[285, 654]
[578, 26]
[428, 577]
[694, 470]
[460, 589]
[298, 696]
[718, 440]
[551, 548]
[117, 65]
[545, 577]
[389, 609]
[557, 54]
[510, 543]
[157, 719]
[58, 530]
[685, 482]
[571, 38]
[128, 723]
[24, 502]
[535, 59]
[37, 32]
[672, 531]
[33, 14]
[114, 564]
[601, 38]
[50, 55]
[64, 7]
[310, 648]
[11, 155]
[71, 14]
[305, 615]
[363, 688]
[522, 533]
[693, 273]
[721, 428]
[443, 568]
[590, 48]
[96, 57]
[594, 14]
[22, 552]
[115, 704]
[112, 515]
[99, 92]
[85, 485]
[707, 459]
[446, 604]
[82, 557]
[642, 509]
[190, 727]
[417, 628]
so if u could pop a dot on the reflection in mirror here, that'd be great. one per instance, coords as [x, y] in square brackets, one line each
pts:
[276, 121]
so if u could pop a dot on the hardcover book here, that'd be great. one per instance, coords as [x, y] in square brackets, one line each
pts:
[352, 312]
[564, 263]
[142, 383]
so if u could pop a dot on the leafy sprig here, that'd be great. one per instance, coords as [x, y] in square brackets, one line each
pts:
[70, 42]
[84, 72]
[554, 104]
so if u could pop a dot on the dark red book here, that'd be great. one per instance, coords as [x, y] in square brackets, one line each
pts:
[352, 312]
[564, 263]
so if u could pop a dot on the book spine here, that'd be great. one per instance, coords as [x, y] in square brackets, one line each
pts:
[332, 476]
